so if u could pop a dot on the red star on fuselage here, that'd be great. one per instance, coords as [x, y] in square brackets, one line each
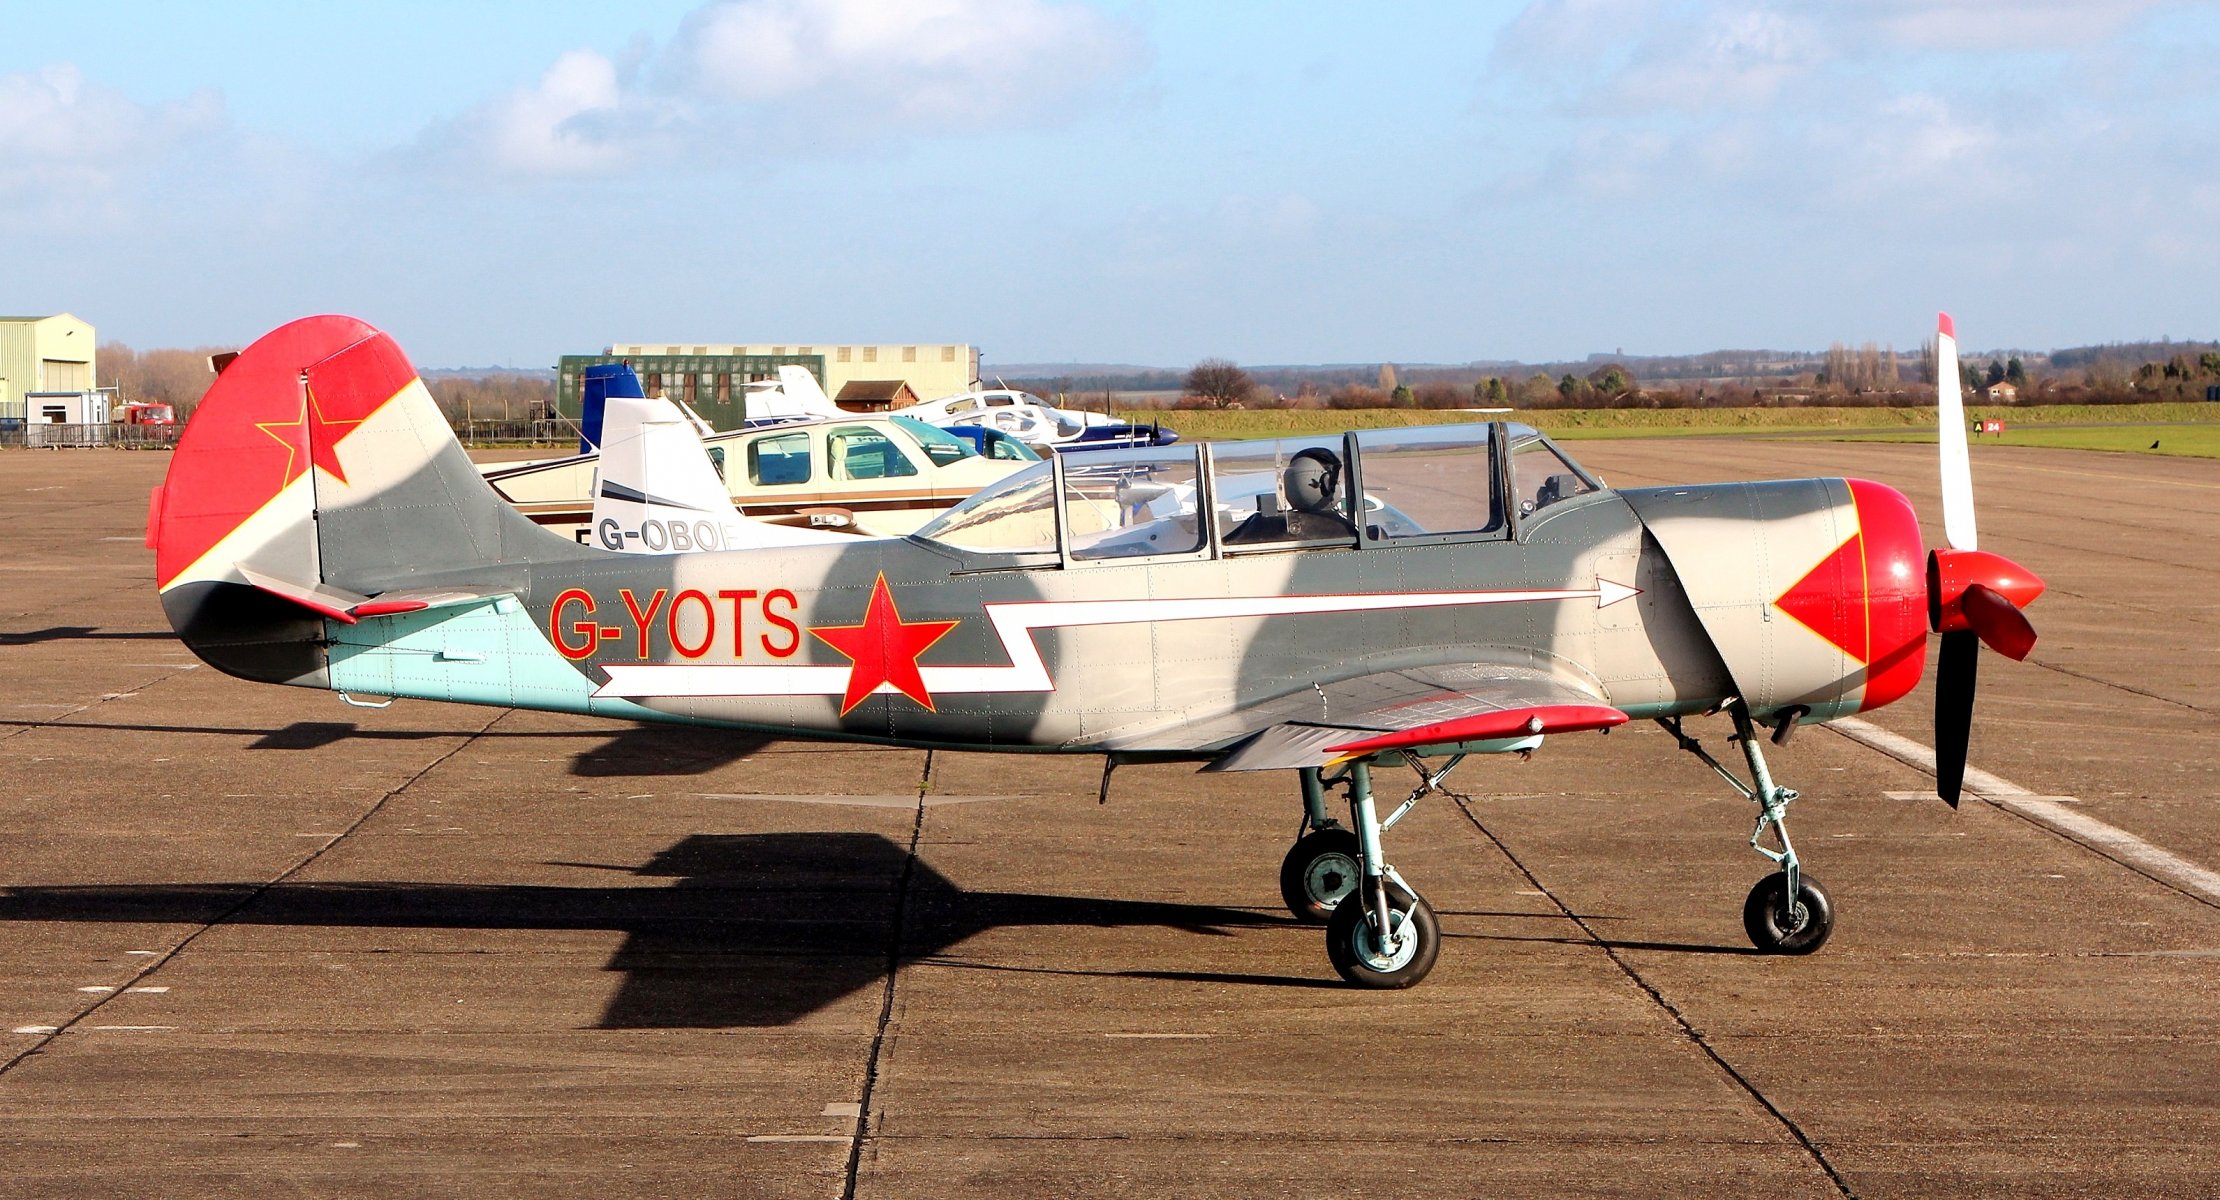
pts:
[321, 434]
[883, 649]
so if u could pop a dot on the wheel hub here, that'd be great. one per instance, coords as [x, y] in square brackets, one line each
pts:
[1331, 878]
[1399, 949]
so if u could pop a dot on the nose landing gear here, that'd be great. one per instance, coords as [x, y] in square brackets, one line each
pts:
[1787, 912]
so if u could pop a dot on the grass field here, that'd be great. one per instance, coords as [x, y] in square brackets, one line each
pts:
[2183, 429]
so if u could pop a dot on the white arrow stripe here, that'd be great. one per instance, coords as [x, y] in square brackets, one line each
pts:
[1014, 624]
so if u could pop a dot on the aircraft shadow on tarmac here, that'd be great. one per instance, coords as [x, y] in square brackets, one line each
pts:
[640, 750]
[83, 633]
[759, 929]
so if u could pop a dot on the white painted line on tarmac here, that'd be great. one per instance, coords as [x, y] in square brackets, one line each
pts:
[147, 953]
[152, 991]
[38, 1029]
[850, 1109]
[2116, 844]
[96, 988]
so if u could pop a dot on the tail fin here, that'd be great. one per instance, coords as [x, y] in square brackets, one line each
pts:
[656, 492]
[595, 388]
[796, 394]
[318, 472]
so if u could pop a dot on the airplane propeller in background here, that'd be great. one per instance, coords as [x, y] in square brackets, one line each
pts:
[1972, 596]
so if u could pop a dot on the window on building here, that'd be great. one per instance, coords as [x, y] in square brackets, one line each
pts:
[909, 354]
[870, 354]
[947, 354]
[843, 354]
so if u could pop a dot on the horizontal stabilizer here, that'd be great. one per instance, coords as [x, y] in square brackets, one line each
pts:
[349, 607]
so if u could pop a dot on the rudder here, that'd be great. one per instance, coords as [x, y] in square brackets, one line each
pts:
[317, 458]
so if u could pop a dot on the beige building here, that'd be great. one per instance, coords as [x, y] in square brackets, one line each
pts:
[43, 354]
[932, 369]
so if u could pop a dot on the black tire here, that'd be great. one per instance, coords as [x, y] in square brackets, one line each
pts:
[1775, 932]
[1353, 946]
[1318, 871]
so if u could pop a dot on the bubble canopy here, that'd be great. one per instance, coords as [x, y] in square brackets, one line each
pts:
[1461, 481]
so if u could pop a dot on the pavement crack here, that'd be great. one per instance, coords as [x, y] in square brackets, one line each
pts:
[1688, 1029]
[260, 890]
[2132, 690]
[898, 929]
[62, 721]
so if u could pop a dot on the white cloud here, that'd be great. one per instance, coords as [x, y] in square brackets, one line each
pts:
[68, 142]
[559, 125]
[1734, 57]
[947, 64]
[1996, 24]
[786, 77]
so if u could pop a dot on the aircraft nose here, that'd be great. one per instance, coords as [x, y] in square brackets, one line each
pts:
[1891, 593]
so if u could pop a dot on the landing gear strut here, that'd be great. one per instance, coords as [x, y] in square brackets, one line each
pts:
[1380, 932]
[1787, 912]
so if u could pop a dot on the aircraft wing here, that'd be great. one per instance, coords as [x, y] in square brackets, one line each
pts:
[1420, 706]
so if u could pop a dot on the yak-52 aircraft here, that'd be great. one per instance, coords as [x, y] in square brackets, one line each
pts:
[1319, 605]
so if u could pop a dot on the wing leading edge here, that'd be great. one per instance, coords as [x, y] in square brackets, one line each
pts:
[1392, 710]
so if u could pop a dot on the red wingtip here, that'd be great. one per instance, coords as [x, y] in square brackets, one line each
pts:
[1945, 326]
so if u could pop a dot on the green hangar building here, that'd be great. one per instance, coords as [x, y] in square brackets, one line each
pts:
[712, 378]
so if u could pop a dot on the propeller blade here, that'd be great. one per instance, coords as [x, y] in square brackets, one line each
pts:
[1954, 677]
[1998, 621]
[1950, 427]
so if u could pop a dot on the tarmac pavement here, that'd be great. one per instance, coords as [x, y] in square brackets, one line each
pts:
[254, 941]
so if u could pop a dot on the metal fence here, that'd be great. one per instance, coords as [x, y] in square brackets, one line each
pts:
[473, 433]
[43, 435]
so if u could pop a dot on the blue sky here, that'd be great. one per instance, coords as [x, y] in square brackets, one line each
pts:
[1117, 182]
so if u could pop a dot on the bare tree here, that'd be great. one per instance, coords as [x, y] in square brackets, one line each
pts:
[174, 377]
[1220, 382]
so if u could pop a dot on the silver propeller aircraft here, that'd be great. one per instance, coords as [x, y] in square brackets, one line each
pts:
[1322, 605]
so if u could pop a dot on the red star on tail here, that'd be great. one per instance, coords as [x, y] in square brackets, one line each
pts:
[884, 649]
[319, 432]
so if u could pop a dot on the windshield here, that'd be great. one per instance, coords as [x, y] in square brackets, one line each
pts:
[940, 446]
[1016, 515]
[1541, 475]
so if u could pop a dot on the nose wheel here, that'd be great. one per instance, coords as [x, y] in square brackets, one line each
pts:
[1787, 912]
[1778, 925]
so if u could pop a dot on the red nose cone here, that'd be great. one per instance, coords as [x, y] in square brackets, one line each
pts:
[1951, 572]
[1894, 593]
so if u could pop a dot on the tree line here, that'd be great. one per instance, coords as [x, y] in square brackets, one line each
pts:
[180, 378]
[1866, 376]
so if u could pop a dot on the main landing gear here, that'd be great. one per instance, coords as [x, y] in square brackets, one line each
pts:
[1380, 932]
[1787, 912]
